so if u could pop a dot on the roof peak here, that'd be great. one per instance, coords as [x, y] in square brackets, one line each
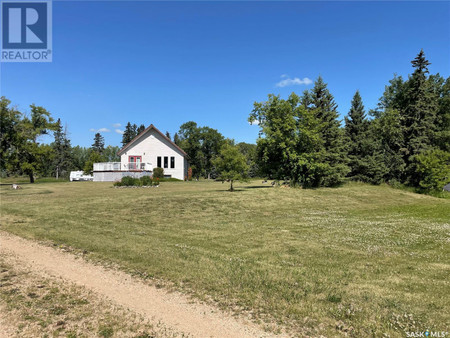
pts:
[137, 137]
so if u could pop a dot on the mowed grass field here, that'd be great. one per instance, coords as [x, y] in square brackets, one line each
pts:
[358, 260]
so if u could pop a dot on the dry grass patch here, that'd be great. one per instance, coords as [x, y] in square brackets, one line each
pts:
[36, 306]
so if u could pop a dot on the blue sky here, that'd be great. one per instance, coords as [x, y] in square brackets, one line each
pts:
[170, 62]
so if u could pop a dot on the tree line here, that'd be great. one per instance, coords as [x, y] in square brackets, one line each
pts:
[23, 153]
[406, 139]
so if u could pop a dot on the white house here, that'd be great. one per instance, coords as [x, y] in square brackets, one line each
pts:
[148, 150]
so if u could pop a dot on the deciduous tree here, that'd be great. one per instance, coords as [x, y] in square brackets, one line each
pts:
[231, 165]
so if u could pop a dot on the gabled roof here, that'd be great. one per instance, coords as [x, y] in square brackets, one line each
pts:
[136, 138]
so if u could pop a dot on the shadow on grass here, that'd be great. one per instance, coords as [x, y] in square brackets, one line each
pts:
[240, 189]
[258, 187]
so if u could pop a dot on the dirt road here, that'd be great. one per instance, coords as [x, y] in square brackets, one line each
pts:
[174, 310]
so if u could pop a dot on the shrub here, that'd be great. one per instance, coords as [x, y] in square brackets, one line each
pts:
[433, 169]
[158, 173]
[130, 181]
[146, 180]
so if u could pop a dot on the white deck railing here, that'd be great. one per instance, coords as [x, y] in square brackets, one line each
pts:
[107, 166]
[116, 166]
[137, 166]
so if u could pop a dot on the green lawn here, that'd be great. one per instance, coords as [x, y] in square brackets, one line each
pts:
[359, 259]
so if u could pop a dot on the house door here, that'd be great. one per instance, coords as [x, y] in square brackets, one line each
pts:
[134, 162]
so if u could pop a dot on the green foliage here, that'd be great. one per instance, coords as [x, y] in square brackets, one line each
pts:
[80, 155]
[176, 139]
[413, 118]
[20, 140]
[388, 130]
[94, 157]
[128, 181]
[294, 144]
[9, 120]
[250, 152]
[110, 154]
[99, 143]
[62, 150]
[146, 180]
[364, 150]
[202, 144]
[433, 169]
[140, 129]
[231, 165]
[130, 132]
[131, 181]
[322, 104]
[158, 173]
[441, 89]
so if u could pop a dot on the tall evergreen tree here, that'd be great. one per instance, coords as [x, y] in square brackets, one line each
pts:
[99, 143]
[441, 88]
[128, 134]
[168, 135]
[364, 152]
[140, 129]
[176, 139]
[322, 104]
[63, 160]
[419, 115]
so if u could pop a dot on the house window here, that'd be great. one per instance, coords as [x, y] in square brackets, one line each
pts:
[166, 162]
[172, 162]
[159, 162]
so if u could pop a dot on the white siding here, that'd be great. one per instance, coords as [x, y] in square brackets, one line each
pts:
[150, 146]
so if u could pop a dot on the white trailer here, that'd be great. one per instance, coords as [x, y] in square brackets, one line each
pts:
[80, 176]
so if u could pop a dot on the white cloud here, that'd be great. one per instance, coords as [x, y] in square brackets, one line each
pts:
[287, 81]
[116, 125]
[254, 123]
[118, 131]
[101, 130]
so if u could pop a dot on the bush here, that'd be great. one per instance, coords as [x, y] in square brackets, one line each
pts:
[146, 180]
[433, 169]
[130, 181]
[156, 181]
[158, 173]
